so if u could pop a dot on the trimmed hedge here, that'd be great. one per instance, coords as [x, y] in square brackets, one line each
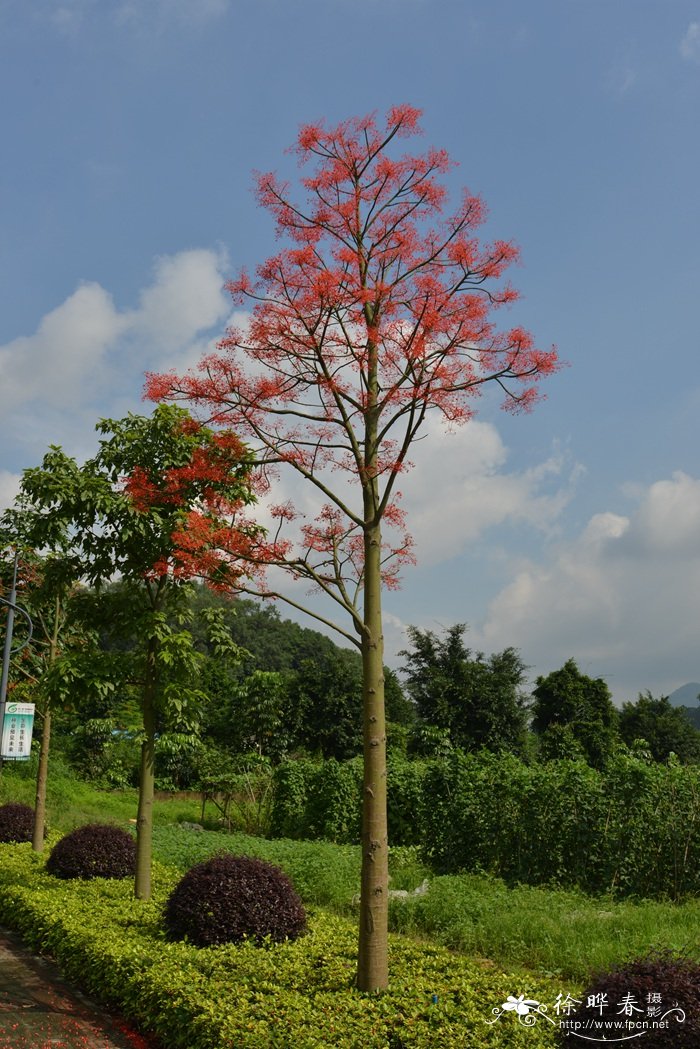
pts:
[239, 997]
[315, 800]
[631, 830]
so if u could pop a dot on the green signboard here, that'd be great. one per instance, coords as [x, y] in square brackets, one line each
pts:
[17, 726]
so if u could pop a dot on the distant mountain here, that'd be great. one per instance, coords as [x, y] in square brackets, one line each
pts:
[686, 695]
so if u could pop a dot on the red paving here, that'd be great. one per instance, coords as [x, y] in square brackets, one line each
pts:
[39, 1010]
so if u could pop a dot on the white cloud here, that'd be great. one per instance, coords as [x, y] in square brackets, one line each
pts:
[623, 598]
[459, 489]
[9, 487]
[690, 44]
[87, 356]
[455, 491]
[668, 521]
[186, 298]
[66, 352]
[395, 637]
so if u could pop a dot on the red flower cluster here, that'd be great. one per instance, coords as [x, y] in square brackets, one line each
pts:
[379, 311]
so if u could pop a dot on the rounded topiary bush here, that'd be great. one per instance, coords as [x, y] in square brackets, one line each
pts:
[16, 822]
[98, 850]
[655, 998]
[229, 898]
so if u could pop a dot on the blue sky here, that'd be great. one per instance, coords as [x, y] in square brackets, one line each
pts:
[130, 131]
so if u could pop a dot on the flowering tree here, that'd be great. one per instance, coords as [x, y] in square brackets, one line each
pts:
[377, 313]
[142, 509]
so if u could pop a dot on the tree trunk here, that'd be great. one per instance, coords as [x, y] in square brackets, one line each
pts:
[372, 961]
[41, 780]
[144, 818]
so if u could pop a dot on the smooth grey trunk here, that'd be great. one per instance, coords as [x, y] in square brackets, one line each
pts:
[373, 955]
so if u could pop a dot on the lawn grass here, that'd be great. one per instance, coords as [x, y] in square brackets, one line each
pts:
[71, 802]
[563, 933]
[559, 932]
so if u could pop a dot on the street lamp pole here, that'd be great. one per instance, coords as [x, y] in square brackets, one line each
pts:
[7, 650]
[12, 607]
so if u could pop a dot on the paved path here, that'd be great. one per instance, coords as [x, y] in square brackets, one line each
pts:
[39, 1010]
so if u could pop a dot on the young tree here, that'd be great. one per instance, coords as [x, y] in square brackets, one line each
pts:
[46, 590]
[376, 315]
[257, 709]
[143, 509]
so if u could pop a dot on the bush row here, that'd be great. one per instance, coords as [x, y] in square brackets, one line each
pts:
[632, 829]
[240, 997]
[225, 899]
[314, 800]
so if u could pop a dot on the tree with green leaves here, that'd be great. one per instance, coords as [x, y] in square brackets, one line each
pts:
[100, 731]
[319, 705]
[47, 587]
[324, 704]
[665, 729]
[479, 700]
[257, 710]
[144, 509]
[572, 710]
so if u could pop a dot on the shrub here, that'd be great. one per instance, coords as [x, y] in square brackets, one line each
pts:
[404, 799]
[16, 822]
[299, 995]
[229, 899]
[99, 850]
[324, 800]
[663, 988]
[334, 805]
[290, 798]
[632, 830]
